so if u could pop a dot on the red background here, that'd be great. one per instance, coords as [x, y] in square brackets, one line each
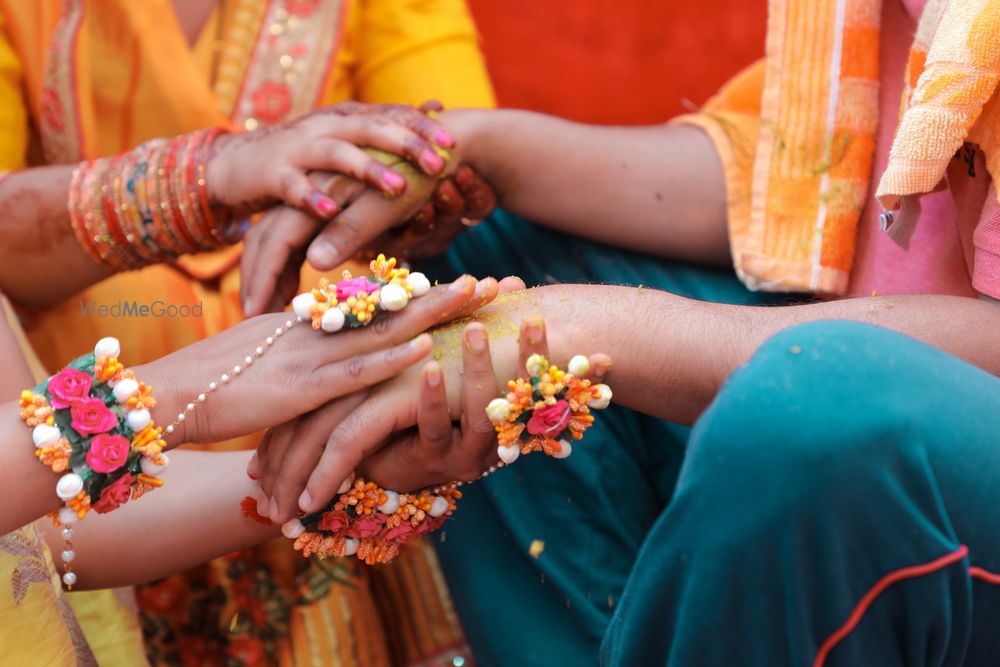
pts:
[620, 62]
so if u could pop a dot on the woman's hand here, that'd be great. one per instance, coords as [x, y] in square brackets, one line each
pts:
[250, 171]
[420, 224]
[277, 443]
[332, 442]
[301, 370]
[274, 249]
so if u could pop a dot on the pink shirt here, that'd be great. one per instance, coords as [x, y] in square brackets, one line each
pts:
[951, 250]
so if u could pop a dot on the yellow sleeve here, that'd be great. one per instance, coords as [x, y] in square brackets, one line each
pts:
[13, 113]
[409, 51]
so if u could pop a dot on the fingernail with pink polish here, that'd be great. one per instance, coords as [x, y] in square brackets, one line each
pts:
[322, 204]
[393, 180]
[432, 161]
[444, 139]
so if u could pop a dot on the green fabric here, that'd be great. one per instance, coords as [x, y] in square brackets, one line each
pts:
[592, 510]
[839, 454]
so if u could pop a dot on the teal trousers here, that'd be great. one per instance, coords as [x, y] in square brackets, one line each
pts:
[663, 546]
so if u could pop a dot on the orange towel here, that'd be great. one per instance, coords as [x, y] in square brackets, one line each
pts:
[796, 197]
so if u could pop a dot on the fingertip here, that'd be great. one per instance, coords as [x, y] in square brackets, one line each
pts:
[444, 138]
[253, 467]
[465, 285]
[422, 343]
[322, 255]
[600, 365]
[395, 183]
[432, 374]
[431, 162]
[475, 337]
[306, 501]
[321, 206]
[533, 329]
[512, 284]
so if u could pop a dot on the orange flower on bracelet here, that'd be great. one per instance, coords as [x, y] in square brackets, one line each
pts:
[548, 411]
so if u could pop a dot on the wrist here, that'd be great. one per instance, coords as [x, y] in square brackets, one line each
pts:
[171, 395]
[217, 170]
[471, 129]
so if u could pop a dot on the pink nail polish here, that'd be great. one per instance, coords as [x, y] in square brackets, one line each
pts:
[323, 204]
[432, 161]
[393, 180]
[444, 139]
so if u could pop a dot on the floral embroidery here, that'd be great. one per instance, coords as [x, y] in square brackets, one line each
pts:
[271, 101]
[301, 8]
[30, 568]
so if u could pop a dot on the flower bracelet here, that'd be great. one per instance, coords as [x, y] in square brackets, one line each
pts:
[353, 301]
[367, 521]
[92, 426]
[548, 411]
[541, 414]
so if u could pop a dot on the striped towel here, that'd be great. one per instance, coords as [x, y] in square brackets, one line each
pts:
[798, 158]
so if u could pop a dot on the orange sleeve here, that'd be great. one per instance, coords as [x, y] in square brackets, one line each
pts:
[731, 119]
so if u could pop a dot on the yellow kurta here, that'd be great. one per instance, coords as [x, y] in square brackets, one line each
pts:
[128, 75]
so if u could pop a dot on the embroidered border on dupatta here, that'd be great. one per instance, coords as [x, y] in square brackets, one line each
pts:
[291, 61]
[62, 135]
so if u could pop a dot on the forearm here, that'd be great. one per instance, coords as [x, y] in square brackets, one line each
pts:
[671, 355]
[656, 189]
[194, 517]
[41, 261]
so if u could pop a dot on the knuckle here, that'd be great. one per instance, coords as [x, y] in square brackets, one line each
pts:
[335, 151]
[481, 427]
[287, 185]
[381, 326]
[356, 367]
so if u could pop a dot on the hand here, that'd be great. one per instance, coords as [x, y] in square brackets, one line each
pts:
[302, 370]
[325, 453]
[250, 171]
[460, 195]
[277, 443]
[458, 201]
[274, 248]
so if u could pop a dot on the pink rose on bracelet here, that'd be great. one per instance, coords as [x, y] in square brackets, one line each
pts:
[401, 534]
[115, 495]
[354, 286]
[335, 521]
[430, 524]
[90, 416]
[367, 527]
[69, 386]
[550, 420]
[108, 452]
